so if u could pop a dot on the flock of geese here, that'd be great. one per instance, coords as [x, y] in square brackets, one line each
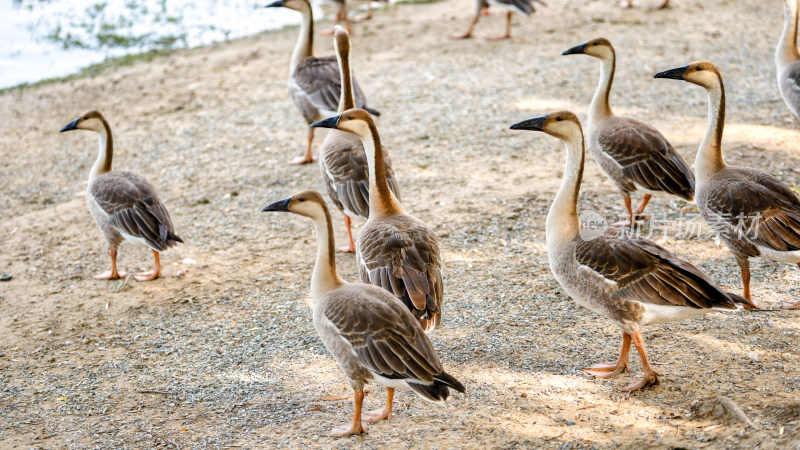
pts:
[376, 329]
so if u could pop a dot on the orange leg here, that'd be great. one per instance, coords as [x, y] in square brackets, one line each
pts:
[468, 33]
[608, 370]
[650, 375]
[150, 274]
[645, 200]
[352, 247]
[112, 274]
[485, 12]
[307, 157]
[507, 34]
[627, 201]
[356, 427]
[383, 413]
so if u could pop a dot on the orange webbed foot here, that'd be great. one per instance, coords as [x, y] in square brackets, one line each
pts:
[498, 37]
[605, 370]
[109, 275]
[347, 430]
[645, 382]
[347, 248]
[301, 160]
[146, 276]
[793, 305]
[375, 415]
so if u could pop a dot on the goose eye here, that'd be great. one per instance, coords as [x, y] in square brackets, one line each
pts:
[301, 199]
[594, 43]
[86, 118]
[349, 117]
[698, 68]
[559, 119]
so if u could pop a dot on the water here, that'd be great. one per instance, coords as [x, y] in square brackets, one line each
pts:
[91, 32]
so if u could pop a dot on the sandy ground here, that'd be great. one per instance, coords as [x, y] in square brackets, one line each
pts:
[221, 351]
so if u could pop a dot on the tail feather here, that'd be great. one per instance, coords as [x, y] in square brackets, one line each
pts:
[439, 390]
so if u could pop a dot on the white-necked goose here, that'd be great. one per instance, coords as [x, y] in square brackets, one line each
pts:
[482, 8]
[123, 203]
[632, 153]
[394, 250]
[342, 159]
[369, 332]
[787, 59]
[314, 82]
[628, 279]
[752, 212]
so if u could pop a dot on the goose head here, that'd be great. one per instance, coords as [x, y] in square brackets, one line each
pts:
[297, 5]
[599, 48]
[307, 203]
[701, 73]
[341, 40]
[91, 120]
[563, 125]
[356, 121]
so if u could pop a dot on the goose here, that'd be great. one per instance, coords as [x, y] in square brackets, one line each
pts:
[752, 212]
[394, 250]
[123, 203]
[370, 333]
[342, 159]
[628, 279]
[314, 82]
[787, 59]
[511, 6]
[632, 153]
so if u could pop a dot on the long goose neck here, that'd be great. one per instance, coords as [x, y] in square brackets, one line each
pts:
[787, 51]
[382, 201]
[562, 220]
[325, 277]
[346, 97]
[709, 157]
[105, 152]
[600, 107]
[305, 42]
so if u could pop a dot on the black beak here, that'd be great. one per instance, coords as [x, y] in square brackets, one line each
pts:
[675, 74]
[282, 205]
[70, 126]
[577, 50]
[275, 4]
[535, 124]
[330, 122]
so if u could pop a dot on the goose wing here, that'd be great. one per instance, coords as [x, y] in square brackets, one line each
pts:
[646, 157]
[755, 206]
[401, 255]
[319, 79]
[644, 272]
[133, 207]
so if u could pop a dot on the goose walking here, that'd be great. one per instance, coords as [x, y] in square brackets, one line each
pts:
[787, 59]
[313, 82]
[394, 250]
[751, 211]
[630, 280]
[342, 159]
[370, 333]
[633, 154]
[123, 203]
[511, 6]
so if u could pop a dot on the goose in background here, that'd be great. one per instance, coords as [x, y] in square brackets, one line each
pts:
[632, 154]
[340, 14]
[123, 203]
[313, 82]
[751, 211]
[628, 279]
[370, 333]
[394, 250]
[787, 59]
[342, 159]
[511, 6]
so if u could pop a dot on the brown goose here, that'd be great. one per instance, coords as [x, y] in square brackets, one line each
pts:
[314, 82]
[631, 153]
[630, 280]
[511, 6]
[752, 212]
[123, 203]
[787, 59]
[395, 250]
[342, 159]
[369, 332]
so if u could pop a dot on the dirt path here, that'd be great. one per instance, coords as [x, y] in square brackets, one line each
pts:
[221, 351]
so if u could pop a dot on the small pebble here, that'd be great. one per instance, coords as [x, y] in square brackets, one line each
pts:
[6, 277]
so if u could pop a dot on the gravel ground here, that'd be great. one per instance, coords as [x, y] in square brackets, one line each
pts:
[221, 351]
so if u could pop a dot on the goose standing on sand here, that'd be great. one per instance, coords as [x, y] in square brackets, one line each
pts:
[342, 159]
[631, 153]
[787, 59]
[369, 332]
[752, 212]
[482, 8]
[123, 203]
[395, 250]
[314, 82]
[630, 280]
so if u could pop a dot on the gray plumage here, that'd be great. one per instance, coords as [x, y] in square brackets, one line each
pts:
[314, 87]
